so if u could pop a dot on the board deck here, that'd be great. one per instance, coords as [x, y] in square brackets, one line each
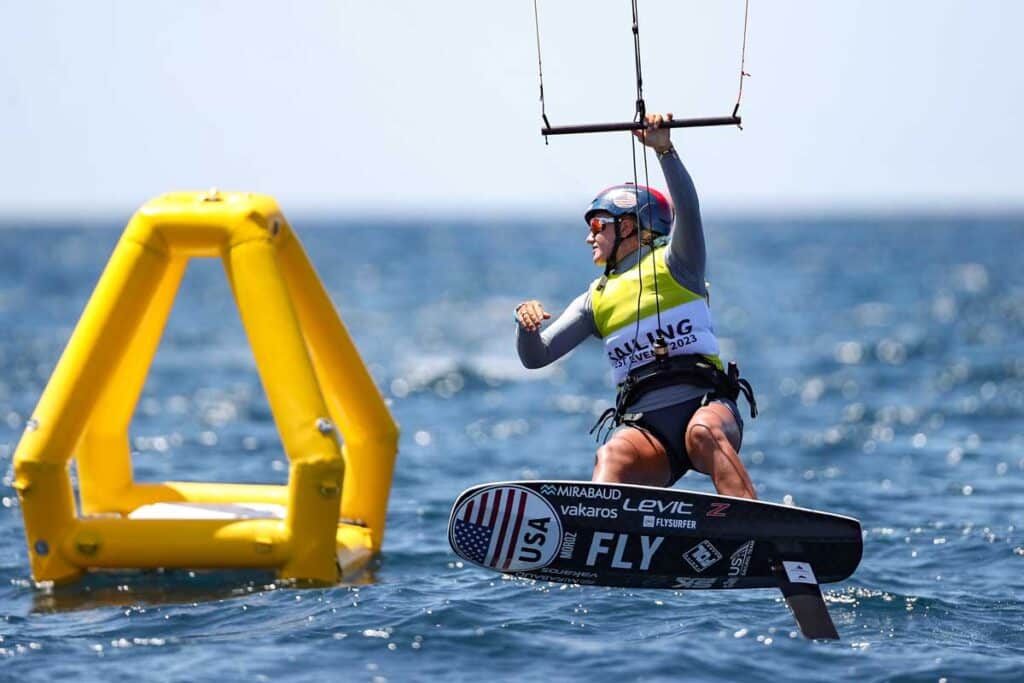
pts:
[640, 536]
[647, 537]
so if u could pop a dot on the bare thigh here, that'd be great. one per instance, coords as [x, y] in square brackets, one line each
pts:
[713, 440]
[632, 456]
[718, 418]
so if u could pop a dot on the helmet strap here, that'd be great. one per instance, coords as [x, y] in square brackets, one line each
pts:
[613, 260]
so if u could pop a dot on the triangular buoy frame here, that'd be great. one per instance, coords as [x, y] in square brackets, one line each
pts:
[336, 497]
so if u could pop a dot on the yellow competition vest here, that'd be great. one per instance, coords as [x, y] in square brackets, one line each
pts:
[685, 317]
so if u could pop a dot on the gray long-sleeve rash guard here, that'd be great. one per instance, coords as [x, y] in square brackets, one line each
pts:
[686, 260]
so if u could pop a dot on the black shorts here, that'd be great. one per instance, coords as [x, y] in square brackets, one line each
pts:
[668, 426]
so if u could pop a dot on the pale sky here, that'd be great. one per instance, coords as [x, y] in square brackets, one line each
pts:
[408, 106]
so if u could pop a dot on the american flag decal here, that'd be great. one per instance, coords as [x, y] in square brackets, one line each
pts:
[473, 540]
[489, 529]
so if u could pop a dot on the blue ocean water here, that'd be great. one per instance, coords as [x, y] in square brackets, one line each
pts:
[888, 357]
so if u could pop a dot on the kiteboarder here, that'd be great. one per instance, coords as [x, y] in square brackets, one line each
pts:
[676, 405]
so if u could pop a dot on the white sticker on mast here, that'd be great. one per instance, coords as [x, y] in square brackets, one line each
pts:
[799, 572]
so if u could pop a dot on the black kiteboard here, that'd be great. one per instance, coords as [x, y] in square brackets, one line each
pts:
[647, 537]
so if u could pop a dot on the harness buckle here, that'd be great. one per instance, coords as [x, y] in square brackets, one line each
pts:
[660, 349]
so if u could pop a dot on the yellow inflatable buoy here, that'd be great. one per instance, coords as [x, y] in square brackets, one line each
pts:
[329, 518]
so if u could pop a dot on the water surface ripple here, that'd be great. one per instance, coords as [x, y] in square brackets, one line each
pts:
[888, 357]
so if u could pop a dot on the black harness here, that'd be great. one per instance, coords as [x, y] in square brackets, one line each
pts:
[671, 371]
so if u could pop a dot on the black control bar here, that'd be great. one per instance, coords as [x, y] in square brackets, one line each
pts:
[636, 125]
